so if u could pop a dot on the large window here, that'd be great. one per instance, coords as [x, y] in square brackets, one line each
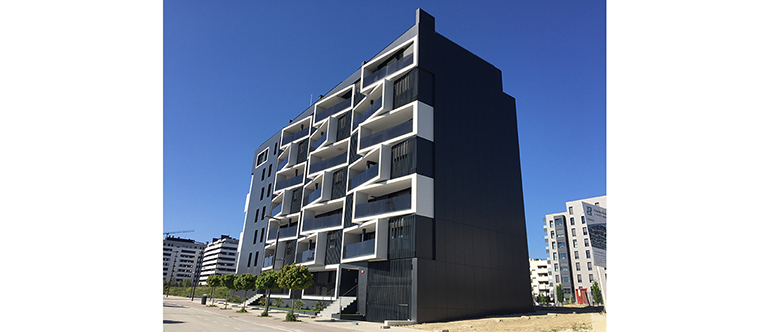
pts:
[562, 256]
[590, 267]
[580, 277]
[577, 266]
[588, 253]
[576, 255]
[572, 220]
[562, 245]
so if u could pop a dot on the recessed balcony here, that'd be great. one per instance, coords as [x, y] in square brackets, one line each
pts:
[328, 162]
[295, 136]
[384, 205]
[376, 105]
[386, 71]
[358, 249]
[336, 108]
[329, 221]
[368, 241]
[290, 182]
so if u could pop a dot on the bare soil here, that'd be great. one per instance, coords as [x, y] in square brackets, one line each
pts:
[539, 322]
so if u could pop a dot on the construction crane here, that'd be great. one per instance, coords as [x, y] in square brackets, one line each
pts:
[177, 232]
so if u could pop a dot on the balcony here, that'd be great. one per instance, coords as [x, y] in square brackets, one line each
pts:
[384, 206]
[320, 115]
[316, 194]
[288, 182]
[282, 164]
[366, 175]
[384, 135]
[268, 261]
[271, 235]
[308, 255]
[390, 69]
[276, 211]
[368, 112]
[324, 164]
[318, 143]
[312, 224]
[295, 136]
[358, 249]
[288, 232]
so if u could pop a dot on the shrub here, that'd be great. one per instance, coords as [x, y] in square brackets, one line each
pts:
[298, 304]
[261, 301]
[319, 305]
[290, 317]
[278, 302]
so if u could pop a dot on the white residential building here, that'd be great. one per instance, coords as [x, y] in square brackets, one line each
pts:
[219, 257]
[540, 275]
[181, 258]
[570, 251]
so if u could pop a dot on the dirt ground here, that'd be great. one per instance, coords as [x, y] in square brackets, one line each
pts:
[540, 322]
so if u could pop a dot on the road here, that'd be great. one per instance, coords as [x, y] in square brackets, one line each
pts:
[182, 315]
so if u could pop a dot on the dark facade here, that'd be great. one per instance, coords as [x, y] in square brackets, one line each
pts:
[397, 205]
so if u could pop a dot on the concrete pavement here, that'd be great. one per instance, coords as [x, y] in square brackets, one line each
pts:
[320, 324]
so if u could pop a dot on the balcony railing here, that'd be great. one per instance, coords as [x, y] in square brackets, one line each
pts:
[363, 248]
[313, 196]
[320, 115]
[288, 182]
[390, 69]
[318, 142]
[369, 111]
[384, 135]
[271, 234]
[366, 175]
[322, 222]
[308, 255]
[384, 206]
[288, 232]
[282, 164]
[333, 161]
[295, 136]
[268, 261]
[276, 210]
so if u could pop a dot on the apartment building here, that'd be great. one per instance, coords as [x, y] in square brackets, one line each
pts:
[219, 257]
[571, 252]
[379, 188]
[540, 275]
[181, 258]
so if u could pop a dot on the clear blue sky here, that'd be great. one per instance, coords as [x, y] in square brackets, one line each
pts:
[235, 72]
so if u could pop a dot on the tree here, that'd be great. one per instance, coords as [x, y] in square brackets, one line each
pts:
[294, 277]
[245, 282]
[596, 293]
[214, 280]
[267, 280]
[559, 294]
[228, 280]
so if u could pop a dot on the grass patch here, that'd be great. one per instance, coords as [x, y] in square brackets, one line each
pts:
[219, 292]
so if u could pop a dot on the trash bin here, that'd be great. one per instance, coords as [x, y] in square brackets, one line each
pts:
[203, 299]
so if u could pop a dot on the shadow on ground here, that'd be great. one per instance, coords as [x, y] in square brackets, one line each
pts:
[166, 321]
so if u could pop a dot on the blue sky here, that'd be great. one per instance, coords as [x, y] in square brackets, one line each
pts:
[235, 72]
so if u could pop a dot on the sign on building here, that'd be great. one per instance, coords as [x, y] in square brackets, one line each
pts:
[596, 220]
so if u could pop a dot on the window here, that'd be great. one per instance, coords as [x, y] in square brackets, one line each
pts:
[585, 231]
[553, 245]
[263, 212]
[590, 278]
[562, 256]
[570, 210]
[556, 267]
[269, 186]
[554, 256]
[552, 234]
[248, 262]
[262, 195]
[573, 232]
[571, 220]
[574, 243]
[269, 170]
[275, 149]
[559, 235]
[559, 222]
[263, 174]
[590, 267]
[565, 279]
[262, 235]
[585, 242]
[580, 277]
[588, 253]
[562, 245]
[256, 258]
[577, 266]
[583, 219]
[564, 268]
[256, 232]
[551, 223]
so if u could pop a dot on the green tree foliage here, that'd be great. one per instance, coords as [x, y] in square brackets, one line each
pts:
[294, 277]
[559, 294]
[267, 280]
[596, 293]
[245, 282]
[228, 280]
[215, 281]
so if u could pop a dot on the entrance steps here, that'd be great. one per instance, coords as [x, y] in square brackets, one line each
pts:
[337, 306]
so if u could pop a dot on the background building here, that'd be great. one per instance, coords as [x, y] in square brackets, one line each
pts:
[181, 258]
[540, 274]
[219, 257]
[379, 189]
[570, 251]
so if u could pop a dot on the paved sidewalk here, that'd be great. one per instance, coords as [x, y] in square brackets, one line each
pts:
[278, 316]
